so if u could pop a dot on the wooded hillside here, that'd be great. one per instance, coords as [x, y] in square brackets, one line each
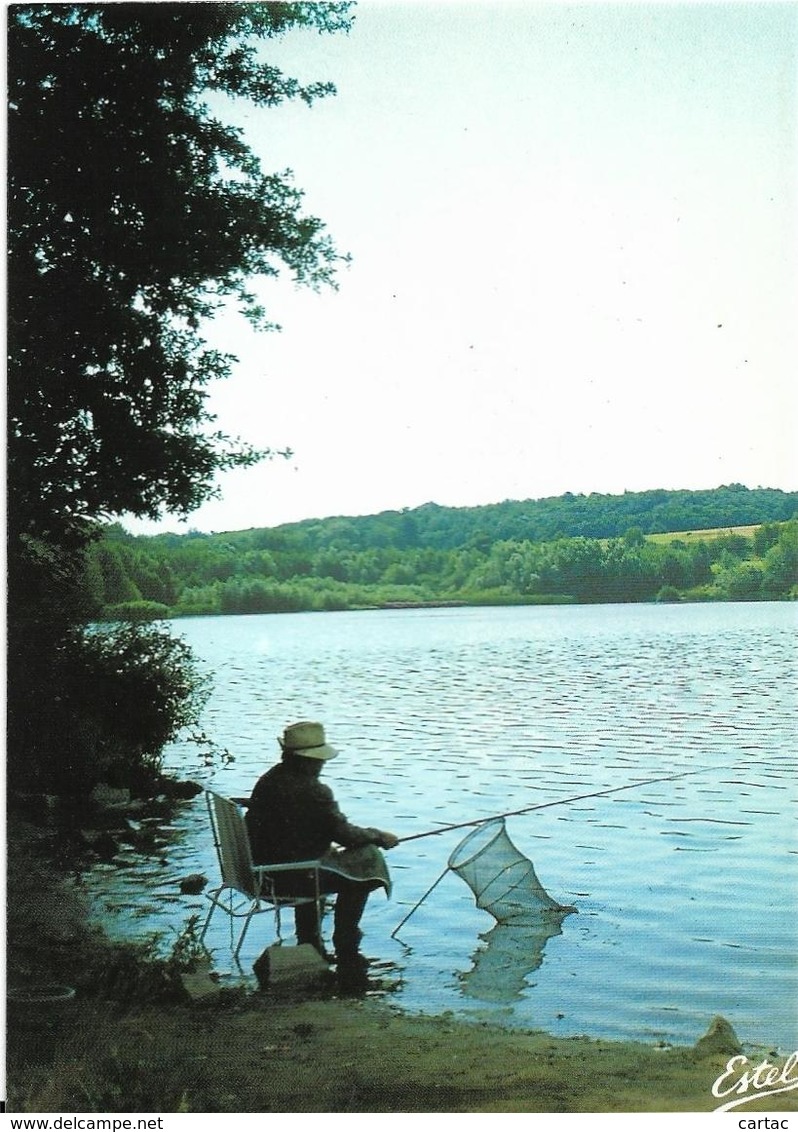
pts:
[569, 548]
[540, 520]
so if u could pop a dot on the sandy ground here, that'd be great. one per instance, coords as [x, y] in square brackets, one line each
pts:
[128, 1044]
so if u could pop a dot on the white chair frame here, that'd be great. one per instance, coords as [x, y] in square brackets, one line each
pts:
[247, 889]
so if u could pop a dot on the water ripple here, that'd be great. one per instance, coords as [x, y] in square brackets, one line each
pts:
[687, 889]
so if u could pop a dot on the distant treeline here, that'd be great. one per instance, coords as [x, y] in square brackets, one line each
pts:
[595, 548]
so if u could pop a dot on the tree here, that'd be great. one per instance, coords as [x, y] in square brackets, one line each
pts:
[133, 215]
[781, 564]
[764, 537]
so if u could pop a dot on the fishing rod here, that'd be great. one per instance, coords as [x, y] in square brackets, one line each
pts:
[471, 881]
[560, 802]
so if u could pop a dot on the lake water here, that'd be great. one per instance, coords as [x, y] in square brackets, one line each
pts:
[686, 890]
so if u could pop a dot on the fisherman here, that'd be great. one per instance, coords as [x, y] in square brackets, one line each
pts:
[292, 816]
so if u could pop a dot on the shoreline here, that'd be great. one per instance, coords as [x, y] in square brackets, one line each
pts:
[130, 1042]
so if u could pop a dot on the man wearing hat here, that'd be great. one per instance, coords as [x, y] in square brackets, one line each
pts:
[292, 816]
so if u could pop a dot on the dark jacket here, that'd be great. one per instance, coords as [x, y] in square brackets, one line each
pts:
[294, 817]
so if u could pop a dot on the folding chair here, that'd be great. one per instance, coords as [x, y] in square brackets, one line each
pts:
[247, 889]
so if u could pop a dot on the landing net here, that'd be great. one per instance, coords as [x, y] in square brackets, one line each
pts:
[502, 879]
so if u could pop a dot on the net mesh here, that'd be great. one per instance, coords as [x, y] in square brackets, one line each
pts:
[502, 879]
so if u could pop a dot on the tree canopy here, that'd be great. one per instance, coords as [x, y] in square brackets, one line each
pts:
[133, 213]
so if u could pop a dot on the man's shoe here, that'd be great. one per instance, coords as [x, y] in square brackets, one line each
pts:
[352, 971]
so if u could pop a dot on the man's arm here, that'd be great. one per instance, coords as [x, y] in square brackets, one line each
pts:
[344, 833]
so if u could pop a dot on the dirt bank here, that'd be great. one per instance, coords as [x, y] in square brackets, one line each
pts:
[124, 1044]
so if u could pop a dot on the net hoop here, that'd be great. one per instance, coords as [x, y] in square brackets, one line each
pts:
[501, 878]
[472, 846]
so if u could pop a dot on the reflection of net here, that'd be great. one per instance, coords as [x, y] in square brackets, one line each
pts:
[502, 878]
[512, 951]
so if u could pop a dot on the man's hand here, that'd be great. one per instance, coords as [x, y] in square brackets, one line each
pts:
[387, 840]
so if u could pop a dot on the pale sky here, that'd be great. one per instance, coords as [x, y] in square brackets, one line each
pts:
[573, 242]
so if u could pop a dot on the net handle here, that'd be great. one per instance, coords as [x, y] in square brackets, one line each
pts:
[418, 903]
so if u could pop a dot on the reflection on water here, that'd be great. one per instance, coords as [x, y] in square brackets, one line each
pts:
[686, 890]
[511, 952]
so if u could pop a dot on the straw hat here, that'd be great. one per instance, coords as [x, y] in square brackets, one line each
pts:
[307, 739]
